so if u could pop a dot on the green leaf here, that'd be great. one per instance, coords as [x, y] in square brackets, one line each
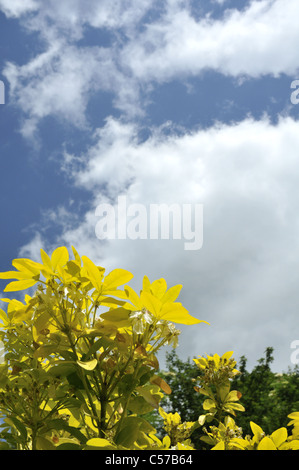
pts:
[128, 435]
[44, 444]
[224, 392]
[69, 446]
[61, 425]
[18, 425]
[62, 370]
[119, 316]
[150, 395]
[45, 350]
[139, 406]
[95, 347]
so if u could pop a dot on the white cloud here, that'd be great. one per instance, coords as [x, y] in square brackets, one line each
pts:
[71, 16]
[16, 8]
[259, 40]
[62, 80]
[244, 279]
[59, 83]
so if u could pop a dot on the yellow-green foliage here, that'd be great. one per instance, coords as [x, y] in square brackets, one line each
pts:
[81, 367]
[222, 404]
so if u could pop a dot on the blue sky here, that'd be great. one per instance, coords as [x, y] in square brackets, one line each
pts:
[167, 101]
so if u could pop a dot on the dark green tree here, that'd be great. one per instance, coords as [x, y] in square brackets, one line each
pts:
[181, 377]
[267, 397]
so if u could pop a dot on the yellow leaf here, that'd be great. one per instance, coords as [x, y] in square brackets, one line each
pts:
[76, 255]
[95, 274]
[27, 266]
[98, 442]
[15, 275]
[146, 285]
[90, 365]
[159, 287]
[208, 404]
[116, 278]
[227, 355]
[3, 317]
[19, 285]
[45, 259]
[266, 444]
[257, 430]
[133, 297]
[176, 313]
[59, 257]
[162, 413]
[166, 442]
[219, 446]
[216, 359]
[151, 303]
[279, 436]
[172, 294]
[234, 395]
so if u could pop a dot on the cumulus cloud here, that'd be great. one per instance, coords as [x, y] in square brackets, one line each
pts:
[257, 41]
[244, 279]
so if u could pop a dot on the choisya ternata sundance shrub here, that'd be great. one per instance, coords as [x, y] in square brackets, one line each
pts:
[80, 369]
[80, 366]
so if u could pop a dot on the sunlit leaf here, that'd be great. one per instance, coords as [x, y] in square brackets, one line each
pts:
[99, 443]
[266, 444]
[159, 287]
[19, 285]
[116, 278]
[59, 257]
[27, 266]
[171, 294]
[279, 436]
[94, 273]
[151, 303]
[89, 365]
